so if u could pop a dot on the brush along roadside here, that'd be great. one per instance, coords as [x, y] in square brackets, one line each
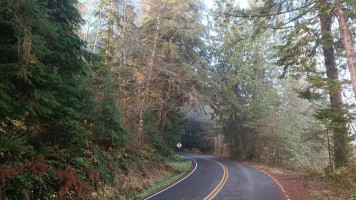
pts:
[183, 165]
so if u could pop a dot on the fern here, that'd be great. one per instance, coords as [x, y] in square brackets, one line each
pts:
[10, 144]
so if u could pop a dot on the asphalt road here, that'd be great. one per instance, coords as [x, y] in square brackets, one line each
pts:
[215, 178]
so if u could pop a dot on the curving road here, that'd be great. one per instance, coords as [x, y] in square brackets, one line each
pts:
[215, 178]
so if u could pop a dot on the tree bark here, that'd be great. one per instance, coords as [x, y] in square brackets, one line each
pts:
[240, 145]
[336, 103]
[330, 64]
[164, 110]
[150, 64]
[88, 24]
[123, 35]
[162, 120]
[110, 33]
[348, 43]
[240, 141]
[98, 31]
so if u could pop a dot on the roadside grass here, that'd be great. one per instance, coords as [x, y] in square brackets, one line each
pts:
[276, 171]
[319, 193]
[273, 170]
[180, 163]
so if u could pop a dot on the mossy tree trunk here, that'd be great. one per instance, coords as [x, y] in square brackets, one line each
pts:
[340, 137]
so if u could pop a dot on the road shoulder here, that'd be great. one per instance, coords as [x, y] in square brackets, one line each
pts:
[293, 185]
[170, 182]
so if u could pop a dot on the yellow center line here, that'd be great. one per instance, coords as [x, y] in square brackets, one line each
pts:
[220, 185]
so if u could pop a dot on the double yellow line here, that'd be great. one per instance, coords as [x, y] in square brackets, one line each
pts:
[220, 185]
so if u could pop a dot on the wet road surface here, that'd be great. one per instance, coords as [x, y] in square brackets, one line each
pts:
[215, 178]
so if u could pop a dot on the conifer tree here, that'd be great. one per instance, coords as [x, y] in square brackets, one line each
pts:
[307, 28]
[254, 115]
[43, 73]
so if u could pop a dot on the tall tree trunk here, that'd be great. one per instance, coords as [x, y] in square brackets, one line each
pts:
[348, 43]
[110, 34]
[150, 64]
[162, 120]
[240, 141]
[99, 27]
[164, 110]
[336, 104]
[88, 24]
[240, 145]
[123, 35]
[330, 64]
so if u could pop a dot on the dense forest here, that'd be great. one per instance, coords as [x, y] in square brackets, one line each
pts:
[94, 91]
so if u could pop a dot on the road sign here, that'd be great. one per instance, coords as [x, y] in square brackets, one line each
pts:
[179, 145]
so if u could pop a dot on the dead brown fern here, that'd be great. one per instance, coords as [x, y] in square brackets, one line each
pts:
[37, 166]
[7, 173]
[70, 181]
[93, 177]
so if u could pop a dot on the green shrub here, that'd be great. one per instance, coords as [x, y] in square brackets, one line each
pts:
[344, 177]
[106, 165]
[15, 146]
[196, 151]
[315, 171]
[158, 145]
[32, 186]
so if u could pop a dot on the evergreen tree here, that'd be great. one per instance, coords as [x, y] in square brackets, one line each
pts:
[250, 108]
[43, 70]
[307, 28]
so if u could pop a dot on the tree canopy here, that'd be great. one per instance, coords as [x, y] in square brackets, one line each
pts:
[93, 89]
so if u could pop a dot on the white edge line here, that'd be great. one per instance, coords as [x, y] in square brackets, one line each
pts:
[275, 180]
[196, 165]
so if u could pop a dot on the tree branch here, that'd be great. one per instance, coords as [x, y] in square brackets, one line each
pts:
[245, 15]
